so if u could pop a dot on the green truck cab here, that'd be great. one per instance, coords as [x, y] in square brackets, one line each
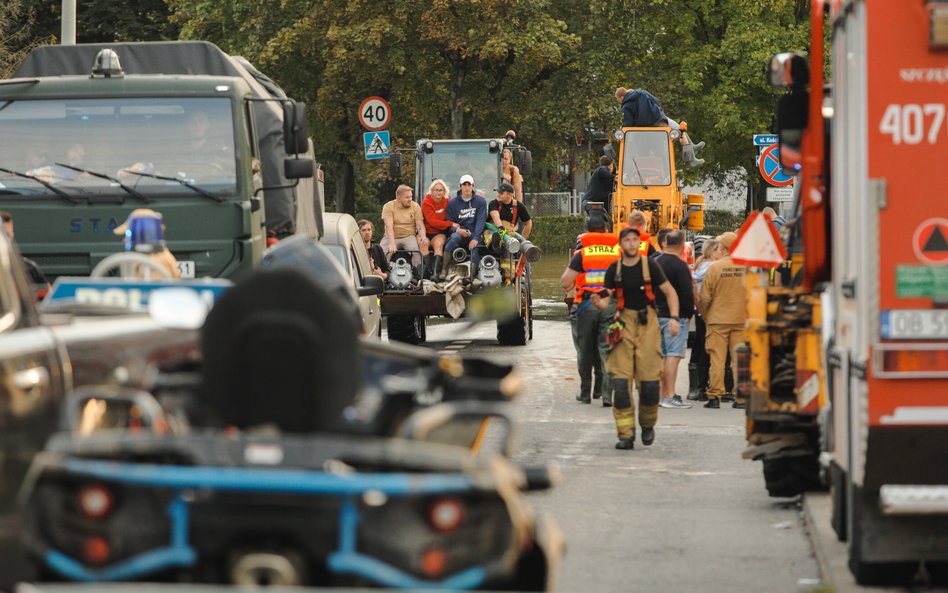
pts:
[184, 129]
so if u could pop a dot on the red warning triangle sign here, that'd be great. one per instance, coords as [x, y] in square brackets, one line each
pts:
[758, 244]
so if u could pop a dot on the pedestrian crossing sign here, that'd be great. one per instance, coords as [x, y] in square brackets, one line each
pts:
[376, 144]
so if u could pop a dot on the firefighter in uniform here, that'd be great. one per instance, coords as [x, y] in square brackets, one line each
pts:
[596, 249]
[637, 356]
[722, 305]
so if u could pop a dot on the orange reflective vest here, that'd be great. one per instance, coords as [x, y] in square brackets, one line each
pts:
[598, 250]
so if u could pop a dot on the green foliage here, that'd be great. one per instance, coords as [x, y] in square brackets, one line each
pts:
[102, 21]
[556, 234]
[719, 221]
[474, 68]
[16, 39]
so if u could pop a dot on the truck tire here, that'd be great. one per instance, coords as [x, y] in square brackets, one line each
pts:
[862, 508]
[518, 330]
[792, 475]
[403, 328]
[838, 480]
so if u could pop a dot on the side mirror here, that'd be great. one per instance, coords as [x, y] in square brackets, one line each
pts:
[792, 120]
[395, 165]
[371, 285]
[298, 168]
[295, 128]
[789, 70]
[610, 152]
[526, 163]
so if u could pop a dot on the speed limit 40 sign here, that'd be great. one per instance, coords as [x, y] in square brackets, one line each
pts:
[374, 114]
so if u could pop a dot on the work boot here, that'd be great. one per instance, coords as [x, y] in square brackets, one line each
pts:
[438, 264]
[445, 265]
[703, 372]
[739, 405]
[597, 388]
[713, 403]
[688, 156]
[626, 444]
[694, 388]
[583, 395]
[648, 436]
[428, 269]
[607, 400]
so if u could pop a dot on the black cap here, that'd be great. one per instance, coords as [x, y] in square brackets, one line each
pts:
[628, 230]
[505, 187]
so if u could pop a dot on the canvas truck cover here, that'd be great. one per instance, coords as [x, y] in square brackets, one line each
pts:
[197, 58]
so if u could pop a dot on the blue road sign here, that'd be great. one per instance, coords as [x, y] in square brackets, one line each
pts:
[376, 144]
[765, 139]
[770, 169]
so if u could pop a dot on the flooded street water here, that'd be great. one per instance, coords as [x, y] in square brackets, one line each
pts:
[547, 294]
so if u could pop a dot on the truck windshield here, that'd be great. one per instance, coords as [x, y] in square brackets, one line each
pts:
[188, 138]
[451, 160]
[645, 159]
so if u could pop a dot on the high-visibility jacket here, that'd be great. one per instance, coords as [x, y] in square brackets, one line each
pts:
[598, 250]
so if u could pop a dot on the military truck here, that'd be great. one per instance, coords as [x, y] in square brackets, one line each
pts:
[407, 306]
[90, 132]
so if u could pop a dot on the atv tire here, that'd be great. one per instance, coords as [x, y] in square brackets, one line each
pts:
[517, 331]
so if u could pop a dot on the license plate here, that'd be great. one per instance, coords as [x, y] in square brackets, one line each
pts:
[186, 268]
[914, 324]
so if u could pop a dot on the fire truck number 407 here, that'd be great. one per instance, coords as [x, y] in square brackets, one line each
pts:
[912, 123]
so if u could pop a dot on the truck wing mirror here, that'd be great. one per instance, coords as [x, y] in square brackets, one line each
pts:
[298, 168]
[371, 285]
[610, 152]
[792, 119]
[395, 165]
[295, 127]
[526, 163]
[789, 70]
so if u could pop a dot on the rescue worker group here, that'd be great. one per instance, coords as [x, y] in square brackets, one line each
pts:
[631, 306]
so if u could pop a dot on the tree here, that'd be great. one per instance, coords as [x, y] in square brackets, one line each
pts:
[16, 22]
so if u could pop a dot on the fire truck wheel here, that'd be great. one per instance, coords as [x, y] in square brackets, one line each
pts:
[862, 512]
[790, 476]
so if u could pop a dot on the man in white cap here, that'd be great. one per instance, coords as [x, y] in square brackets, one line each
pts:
[468, 211]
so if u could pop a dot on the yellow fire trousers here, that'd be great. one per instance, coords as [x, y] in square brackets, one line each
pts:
[721, 339]
[638, 358]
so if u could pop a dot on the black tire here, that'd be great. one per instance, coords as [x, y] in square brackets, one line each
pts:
[792, 475]
[421, 328]
[838, 500]
[517, 331]
[403, 328]
[862, 508]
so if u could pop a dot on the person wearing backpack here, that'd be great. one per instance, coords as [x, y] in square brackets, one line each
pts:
[636, 354]
[641, 109]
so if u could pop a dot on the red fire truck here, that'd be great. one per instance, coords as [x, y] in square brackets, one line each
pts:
[867, 134]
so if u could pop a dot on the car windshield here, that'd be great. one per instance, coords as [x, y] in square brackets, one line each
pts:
[56, 140]
[450, 161]
[645, 159]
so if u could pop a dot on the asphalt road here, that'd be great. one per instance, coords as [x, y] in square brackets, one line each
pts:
[686, 514]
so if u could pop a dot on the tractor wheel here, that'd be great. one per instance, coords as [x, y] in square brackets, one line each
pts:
[518, 330]
[403, 328]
